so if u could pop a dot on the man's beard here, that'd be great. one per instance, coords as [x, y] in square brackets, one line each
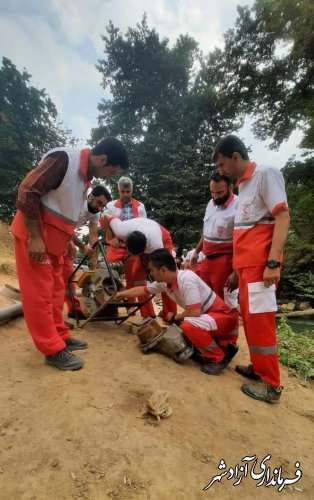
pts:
[91, 209]
[221, 201]
[126, 201]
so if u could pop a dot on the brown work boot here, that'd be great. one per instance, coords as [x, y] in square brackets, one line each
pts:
[247, 371]
[263, 391]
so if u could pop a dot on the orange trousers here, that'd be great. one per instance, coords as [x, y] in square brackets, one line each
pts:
[140, 279]
[212, 344]
[42, 293]
[127, 265]
[260, 330]
[215, 272]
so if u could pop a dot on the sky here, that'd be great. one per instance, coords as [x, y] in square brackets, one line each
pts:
[59, 44]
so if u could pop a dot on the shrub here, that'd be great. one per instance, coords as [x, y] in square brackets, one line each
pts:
[296, 351]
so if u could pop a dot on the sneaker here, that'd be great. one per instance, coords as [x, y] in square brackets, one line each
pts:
[65, 360]
[80, 315]
[73, 344]
[231, 351]
[247, 371]
[214, 368]
[263, 391]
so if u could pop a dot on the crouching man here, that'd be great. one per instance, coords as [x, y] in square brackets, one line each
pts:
[209, 324]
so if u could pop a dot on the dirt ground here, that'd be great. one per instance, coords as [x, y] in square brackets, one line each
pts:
[68, 435]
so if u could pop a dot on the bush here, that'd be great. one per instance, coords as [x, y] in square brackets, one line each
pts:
[296, 350]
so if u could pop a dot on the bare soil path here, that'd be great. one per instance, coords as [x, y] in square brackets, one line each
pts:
[68, 435]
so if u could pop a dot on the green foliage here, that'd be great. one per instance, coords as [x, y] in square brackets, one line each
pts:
[269, 64]
[169, 116]
[296, 350]
[298, 271]
[28, 128]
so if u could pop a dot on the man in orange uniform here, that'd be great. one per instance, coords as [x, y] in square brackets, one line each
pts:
[49, 203]
[216, 240]
[126, 208]
[142, 237]
[90, 215]
[209, 324]
[260, 231]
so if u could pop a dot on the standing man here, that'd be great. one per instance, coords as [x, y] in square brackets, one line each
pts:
[90, 214]
[260, 232]
[216, 240]
[49, 204]
[209, 324]
[126, 208]
[142, 237]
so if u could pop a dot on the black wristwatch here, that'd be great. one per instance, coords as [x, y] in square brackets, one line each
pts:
[272, 264]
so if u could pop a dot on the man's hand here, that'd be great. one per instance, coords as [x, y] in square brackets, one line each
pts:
[114, 243]
[232, 282]
[71, 250]
[36, 248]
[169, 317]
[271, 276]
[87, 250]
[194, 259]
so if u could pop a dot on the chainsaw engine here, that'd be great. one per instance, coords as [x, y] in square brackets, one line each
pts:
[97, 288]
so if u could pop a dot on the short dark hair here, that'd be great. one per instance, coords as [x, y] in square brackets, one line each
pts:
[114, 150]
[162, 258]
[228, 145]
[218, 178]
[136, 242]
[101, 191]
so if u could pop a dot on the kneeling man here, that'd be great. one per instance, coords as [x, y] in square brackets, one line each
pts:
[206, 320]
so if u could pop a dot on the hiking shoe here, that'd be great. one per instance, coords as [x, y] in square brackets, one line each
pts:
[247, 371]
[80, 315]
[214, 368]
[65, 360]
[73, 344]
[263, 391]
[231, 351]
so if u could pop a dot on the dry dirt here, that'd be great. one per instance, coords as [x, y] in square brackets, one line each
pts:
[68, 435]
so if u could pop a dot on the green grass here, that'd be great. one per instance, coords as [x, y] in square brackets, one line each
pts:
[296, 351]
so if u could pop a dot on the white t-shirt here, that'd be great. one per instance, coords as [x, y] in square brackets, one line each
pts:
[188, 291]
[190, 254]
[150, 228]
[86, 217]
[219, 221]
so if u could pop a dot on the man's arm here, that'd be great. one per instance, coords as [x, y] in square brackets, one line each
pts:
[137, 291]
[282, 220]
[41, 180]
[36, 244]
[197, 250]
[187, 313]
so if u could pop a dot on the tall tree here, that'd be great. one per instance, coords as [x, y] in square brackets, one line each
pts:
[269, 67]
[298, 276]
[170, 115]
[28, 128]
